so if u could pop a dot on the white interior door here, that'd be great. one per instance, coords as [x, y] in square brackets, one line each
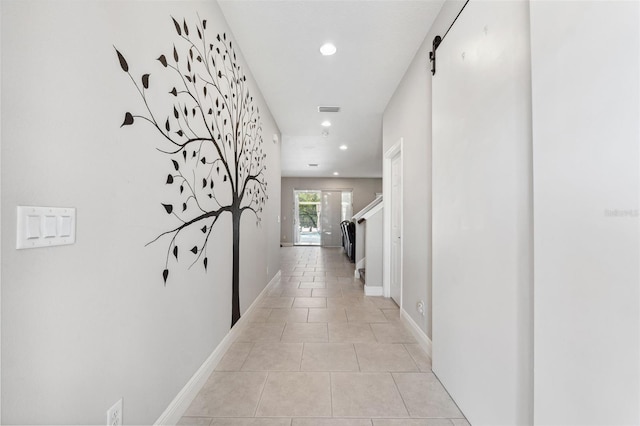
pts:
[330, 217]
[482, 226]
[395, 204]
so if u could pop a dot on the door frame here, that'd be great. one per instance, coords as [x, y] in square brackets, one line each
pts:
[389, 155]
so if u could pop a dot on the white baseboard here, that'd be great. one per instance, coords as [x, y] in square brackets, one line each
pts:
[286, 244]
[421, 337]
[187, 394]
[370, 290]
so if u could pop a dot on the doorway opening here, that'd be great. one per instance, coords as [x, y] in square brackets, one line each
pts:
[318, 214]
[307, 218]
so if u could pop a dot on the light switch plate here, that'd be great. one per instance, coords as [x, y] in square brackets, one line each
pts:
[45, 226]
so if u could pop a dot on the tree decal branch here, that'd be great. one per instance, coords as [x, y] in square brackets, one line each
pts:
[212, 135]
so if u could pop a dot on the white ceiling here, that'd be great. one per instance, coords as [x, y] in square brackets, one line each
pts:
[376, 41]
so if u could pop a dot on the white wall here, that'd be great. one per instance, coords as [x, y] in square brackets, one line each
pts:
[408, 116]
[86, 324]
[586, 97]
[364, 191]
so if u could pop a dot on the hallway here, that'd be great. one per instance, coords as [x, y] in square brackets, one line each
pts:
[316, 351]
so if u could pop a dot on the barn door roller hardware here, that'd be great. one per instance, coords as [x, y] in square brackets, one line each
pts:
[437, 40]
[432, 55]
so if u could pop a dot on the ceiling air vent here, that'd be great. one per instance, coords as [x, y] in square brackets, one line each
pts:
[312, 165]
[328, 109]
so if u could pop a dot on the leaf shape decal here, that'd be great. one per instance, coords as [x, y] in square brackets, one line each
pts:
[184, 206]
[174, 92]
[204, 229]
[175, 252]
[204, 24]
[204, 183]
[123, 62]
[205, 263]
[204, 160]
[145, 81]
[199, 33]
[175, 164]
[194, 250]
[175, 53]
[169, 179]
[168, 208]
[128, 119]
[186, 29]
[175, 112]
[166, 125]
[165, 275]
[177, 26]
[163, 60]
[184, 153]
[181, 189]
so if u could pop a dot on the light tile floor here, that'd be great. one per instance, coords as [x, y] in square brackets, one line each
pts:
[317, 352]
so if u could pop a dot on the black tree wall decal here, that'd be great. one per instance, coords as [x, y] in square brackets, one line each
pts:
[213, 137]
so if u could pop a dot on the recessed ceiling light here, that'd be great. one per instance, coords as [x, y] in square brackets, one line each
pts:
[343, 147]
[336, 173]
[325, 134]
[326, 123]
[328, 49]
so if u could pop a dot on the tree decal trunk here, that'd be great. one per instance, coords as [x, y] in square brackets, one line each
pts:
[212, 136]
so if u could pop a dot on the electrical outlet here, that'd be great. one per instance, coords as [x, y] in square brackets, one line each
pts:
[420, 307]
[114, 414]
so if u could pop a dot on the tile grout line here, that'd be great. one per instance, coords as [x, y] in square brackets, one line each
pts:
[253, 344]
[331, 391]
[357, 359]
[400, 393]
[374, 334]
[264, 385]
[412, 357]
[415, 364]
